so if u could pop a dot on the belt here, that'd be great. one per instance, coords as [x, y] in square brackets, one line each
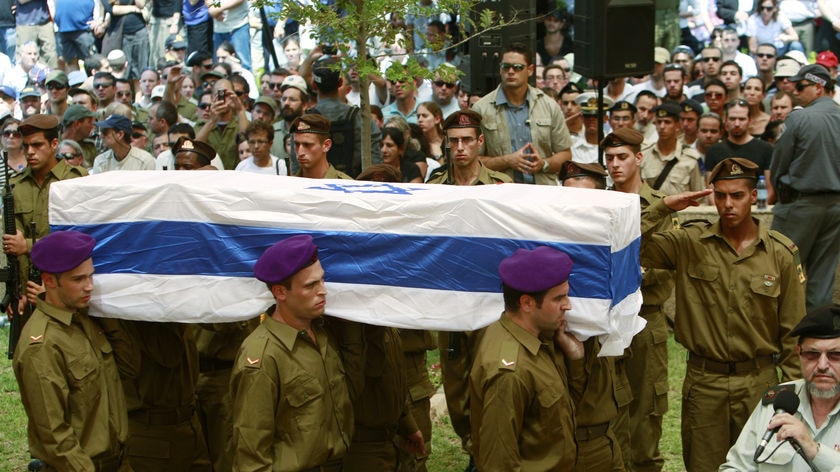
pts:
[163, 416]
[586, 433]
[332, 466]
[209, 364]
[373, 435]
[108, 462]
[730, 368]
[650, 309]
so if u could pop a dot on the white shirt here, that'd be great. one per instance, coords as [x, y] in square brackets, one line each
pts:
[277, 167]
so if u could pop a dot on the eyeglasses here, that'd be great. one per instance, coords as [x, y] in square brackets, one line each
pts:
[710, 58]
[103, 85]
[274, 86]
[55, 86]
[800, 86]
[813, 356]
[506, 66]
[208, 84]
[714, 94]
[9, 133]
[257, 142]
[441, 83]
[68, 155]
[762, 55]
[204, 105]
[466, 141]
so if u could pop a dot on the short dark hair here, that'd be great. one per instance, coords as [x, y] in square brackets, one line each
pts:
[645, 93]
[92, 63]
[395, 134]
[733, 63]
[106, 75]
[167, 111]
[182, 128]
[512, 296]
[520, 48]
[259, 125]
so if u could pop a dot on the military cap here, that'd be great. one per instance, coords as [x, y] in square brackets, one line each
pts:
[381, 173]
[286, 258]
[571, 87]
[532, 271]
[75, 113]
[326, 73]
[623, 137]
[814, 73]
[175, 41]
[212, 73]
[311, 123]
[691, 105]
[667, 109]
[204, 150]
[61, 251]
[822, 323]
[29, 91]
[296, 82]
[197, 57]
[572, 169]
[463, 119]
[267, 101]
[734, 168]
[36, 123]
[58, 76]
[117, 122]
[588, 102]
[623, 105]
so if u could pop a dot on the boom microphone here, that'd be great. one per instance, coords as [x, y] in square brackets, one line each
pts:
[786, 401]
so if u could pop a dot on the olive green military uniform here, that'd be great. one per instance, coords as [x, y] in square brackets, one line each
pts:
[217, 345]
[647, 366]
[485, 177]
[89, 150]
[165, 433]
[186, 108]
[32, 202]
[71, 391]
[685, 175]
[332, 173]
[382, 410]
[223, 140]
[522, 396]
[596, 413]
[291, 404]
[415, 343]
[734, 313]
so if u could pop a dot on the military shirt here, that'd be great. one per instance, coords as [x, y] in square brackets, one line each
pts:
[732, 307]
[291, 405]
[223, 140]
[740, 456]
[657, 284]
[685, 175]
[598, 403]
[70, 389]
[485, 177]
[332, 173]
[522, 406]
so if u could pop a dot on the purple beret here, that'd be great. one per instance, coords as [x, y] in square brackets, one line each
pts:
[62, 251]
[536, 270]
[286, 258]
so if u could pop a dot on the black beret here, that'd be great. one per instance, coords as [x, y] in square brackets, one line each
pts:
[822, 323]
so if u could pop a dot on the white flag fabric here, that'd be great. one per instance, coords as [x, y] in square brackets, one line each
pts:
[181, 246]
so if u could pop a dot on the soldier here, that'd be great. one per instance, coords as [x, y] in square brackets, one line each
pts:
[576, 174]
[586, 149]
[740, 290]
[65, 367]
[670, 165]
[291, 404]
[622, 115]
[528, 371]
[647, 365]
[311, 134]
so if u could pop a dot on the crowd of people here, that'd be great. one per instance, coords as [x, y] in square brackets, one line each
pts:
[744, 109]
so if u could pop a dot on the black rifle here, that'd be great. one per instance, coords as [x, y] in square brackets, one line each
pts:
[10, 274]
[34, 273]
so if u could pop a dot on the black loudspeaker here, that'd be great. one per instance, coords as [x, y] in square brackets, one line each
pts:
[485, 48]
[614, 38]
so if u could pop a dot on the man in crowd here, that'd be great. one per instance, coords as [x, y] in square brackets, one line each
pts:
[311, 137]
[622, 115]
[524, 356]
[807, 181]
[120, 154]
[690, 112]
[730, 75]
[227, 118]
[525, 133]
[815, 425]
[645, 102]
[781, 104]
[77, 125]
[739, 142]
[669, 164]
[294, 100]
[57, 89]
[709, 132]
[740, 290]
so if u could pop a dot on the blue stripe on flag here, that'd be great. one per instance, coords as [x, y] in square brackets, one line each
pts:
[429, 262]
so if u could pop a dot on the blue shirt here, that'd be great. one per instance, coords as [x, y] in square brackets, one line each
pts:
[519, 125]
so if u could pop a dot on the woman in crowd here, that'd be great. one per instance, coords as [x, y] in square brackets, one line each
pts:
[13, 145]
[430, 117]
[768, 25]
[393, 149]
[754, 95]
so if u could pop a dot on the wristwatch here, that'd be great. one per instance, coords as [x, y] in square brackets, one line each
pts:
[545, 165]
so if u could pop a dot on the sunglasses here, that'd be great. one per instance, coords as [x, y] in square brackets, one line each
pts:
[441, 83]
[68, 155]
[103, 85]
[710, 59]
[239, 93]
[138, 135]
[55, 86]
[764, 8]
[207, 84]
[813, 356]
[203, 106]
[274, 86]
[764, 55]
[505, 66]
[11, 134]
[800, 86]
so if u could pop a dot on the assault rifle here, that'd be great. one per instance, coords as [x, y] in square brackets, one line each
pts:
[10, 274]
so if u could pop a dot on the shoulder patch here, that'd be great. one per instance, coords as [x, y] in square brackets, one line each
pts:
[794, 250]
[772, 392]
[508, 355]
[697, 222]
[253, 352]
[36, 330]
[675, 221]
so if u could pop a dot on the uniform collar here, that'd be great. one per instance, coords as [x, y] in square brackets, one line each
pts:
[523, 337]
[59, 314]
[288, 335]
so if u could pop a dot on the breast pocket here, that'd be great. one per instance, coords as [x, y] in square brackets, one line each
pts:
[703, 278]
[84, 381]
[305, 401]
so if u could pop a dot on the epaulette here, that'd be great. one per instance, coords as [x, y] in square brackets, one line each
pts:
[647, 145]
[699, 222]
[37, 329]
[772, 392]
[508, 355]
[794, 251]
[436, 173]
[689, 151]
[254, 351]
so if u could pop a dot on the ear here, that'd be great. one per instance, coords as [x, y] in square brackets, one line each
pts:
[327, 144]
[49, 280]
[527, 303]
[279, 292]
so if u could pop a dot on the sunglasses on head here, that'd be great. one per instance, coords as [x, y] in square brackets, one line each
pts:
[67, 155]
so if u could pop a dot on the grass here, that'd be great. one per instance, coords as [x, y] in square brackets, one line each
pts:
[447, 455]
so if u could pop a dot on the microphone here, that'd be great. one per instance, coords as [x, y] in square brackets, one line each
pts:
[785, 402]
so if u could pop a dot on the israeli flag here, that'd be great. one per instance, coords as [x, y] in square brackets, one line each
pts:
[181, 246]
